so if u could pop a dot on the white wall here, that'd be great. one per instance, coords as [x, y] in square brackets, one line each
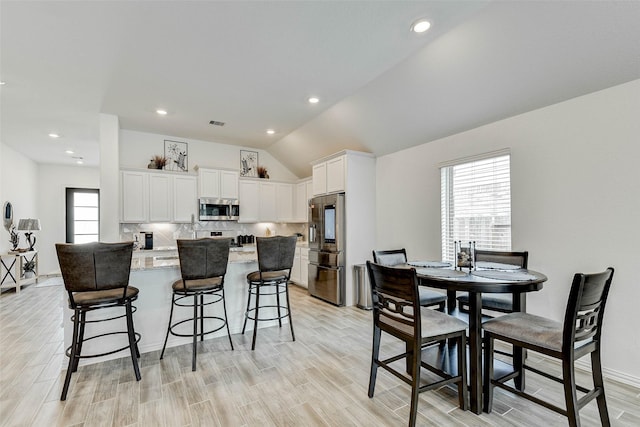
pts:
[18, 185]
[575, 189]
[52, 182]
[137, 148]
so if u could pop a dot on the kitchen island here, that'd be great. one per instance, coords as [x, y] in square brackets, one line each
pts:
[153, 272]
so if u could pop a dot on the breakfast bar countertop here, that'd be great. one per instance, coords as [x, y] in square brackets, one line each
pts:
[167, 257]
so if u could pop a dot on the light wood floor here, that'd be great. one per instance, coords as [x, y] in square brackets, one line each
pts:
[318, 380]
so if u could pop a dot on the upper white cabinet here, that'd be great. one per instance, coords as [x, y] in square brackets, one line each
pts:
[218, 183]
[303, 192]
[157, 197]
[320, 179]
[134, 194]
[266, 201]
[329, 176]
[185, 198]
[249, 192]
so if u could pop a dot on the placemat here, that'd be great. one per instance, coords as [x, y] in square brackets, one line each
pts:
[518, 276]
[441, 272]
[429, 264]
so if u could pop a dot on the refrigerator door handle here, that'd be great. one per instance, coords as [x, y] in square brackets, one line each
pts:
[312, 233]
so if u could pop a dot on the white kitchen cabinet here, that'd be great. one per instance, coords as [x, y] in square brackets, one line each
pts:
[296, 268]
[134, 196]
[157, 197]
[329, 176]
[218, 184]
[284, 202]
[249, 199]
[304, 192]
[185, 198]
[304, 267]
[320, 179]
[160, 197]
[336, 175]
[268, 202]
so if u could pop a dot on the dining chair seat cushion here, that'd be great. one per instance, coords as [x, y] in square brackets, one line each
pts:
[105, 296]
[500, 302]
[433, 323]
[267, 276]
[529, 328]
[429, 297]
[197, 285]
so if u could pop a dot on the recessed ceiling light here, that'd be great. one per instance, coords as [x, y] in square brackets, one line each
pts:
[79, 162]
[420, 26]
[2, 83]
[54, 135]
[313, 100]
[271, 131]
[69, 151]
[162, 112]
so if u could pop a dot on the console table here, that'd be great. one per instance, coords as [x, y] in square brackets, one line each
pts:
[12, 273]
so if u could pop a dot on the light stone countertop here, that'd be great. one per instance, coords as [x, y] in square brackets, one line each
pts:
[168, 258]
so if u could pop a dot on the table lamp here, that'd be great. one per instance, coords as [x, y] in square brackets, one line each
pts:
[29, 225]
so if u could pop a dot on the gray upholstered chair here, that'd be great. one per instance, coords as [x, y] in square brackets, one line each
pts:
[391, 257]
[580, 334]
[275, 260]
[96, 276]
[203, 265]
[495, 302]
[397, 312]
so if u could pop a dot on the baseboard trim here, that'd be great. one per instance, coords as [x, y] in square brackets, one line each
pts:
[611, 374]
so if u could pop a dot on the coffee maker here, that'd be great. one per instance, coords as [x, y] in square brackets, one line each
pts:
[148, 240]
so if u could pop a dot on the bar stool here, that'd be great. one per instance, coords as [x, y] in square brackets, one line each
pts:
[275, 260]
[203, 265]
[96, 276]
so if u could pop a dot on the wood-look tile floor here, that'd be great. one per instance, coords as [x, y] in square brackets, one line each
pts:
[319, 380]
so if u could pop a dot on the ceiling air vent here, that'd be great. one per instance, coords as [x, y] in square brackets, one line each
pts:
[215, 123]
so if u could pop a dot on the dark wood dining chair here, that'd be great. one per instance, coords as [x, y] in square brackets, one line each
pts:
[580, 334]
[397, 312]
[96, 277]
[203, 265]
[428, 298]
[502, 303]
[275, 260]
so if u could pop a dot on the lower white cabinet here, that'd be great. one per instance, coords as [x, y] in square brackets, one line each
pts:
[300, 270]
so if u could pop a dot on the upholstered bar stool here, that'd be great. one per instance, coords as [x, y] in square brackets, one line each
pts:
[203, 265]
[275, 260]
[96, 276]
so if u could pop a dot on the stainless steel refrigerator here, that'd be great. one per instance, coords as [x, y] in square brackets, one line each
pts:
[327, 248]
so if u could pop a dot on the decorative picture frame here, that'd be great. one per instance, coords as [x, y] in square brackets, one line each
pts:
[176, 153]
[248, 163]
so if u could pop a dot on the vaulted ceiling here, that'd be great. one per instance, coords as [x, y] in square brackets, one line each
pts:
[253, 65]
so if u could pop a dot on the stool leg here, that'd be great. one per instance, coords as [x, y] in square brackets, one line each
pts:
[246, 313]
[195, 331]
[72, 355]
[201, 317]
[289, 311]
[83, 319]
[173, 301]
[488, 372]
[598, 384]
[277, 285]
[255, 320]
[132, 339]
[226, 321]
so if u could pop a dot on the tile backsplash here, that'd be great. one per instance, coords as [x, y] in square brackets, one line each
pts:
[166, 234]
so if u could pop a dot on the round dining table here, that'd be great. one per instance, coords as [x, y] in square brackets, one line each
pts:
[516, 282]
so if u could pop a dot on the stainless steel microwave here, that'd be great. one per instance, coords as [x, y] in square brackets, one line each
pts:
[218, 209]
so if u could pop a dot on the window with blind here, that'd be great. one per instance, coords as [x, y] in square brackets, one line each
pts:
[476, 203]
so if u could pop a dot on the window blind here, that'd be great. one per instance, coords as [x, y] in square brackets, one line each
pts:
[476, 204]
